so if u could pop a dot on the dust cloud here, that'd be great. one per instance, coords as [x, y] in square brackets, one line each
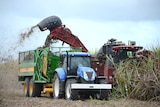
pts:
[27, 34]
[9, 53]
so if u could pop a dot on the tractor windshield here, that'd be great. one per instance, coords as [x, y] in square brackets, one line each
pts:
[79, 60]
[84, 61]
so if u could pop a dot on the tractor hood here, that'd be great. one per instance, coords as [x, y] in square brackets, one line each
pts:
[86, 73]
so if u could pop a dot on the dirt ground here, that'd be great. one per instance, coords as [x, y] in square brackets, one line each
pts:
[11, 95]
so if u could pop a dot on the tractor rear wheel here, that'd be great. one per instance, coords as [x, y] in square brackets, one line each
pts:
[34, 89]
[103, 94]
[26, 87]
[70, 94]
[56, 87]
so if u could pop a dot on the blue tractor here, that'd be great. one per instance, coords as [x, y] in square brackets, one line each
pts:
[75, 78]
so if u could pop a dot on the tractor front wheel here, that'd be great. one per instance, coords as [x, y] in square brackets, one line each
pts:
[102, 94]
[70, 94]
[56, 87]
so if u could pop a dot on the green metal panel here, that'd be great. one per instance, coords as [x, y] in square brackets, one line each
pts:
[40, 81]
[27, 63]
[54, 62]
[25, 74]
[76, 50]
[38, 59]
[22, 75]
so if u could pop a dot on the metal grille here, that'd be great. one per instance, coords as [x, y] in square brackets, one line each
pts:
[89, 74]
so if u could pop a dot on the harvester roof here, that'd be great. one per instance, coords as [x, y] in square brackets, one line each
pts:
[126, 47]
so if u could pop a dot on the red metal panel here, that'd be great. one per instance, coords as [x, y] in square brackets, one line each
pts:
[65, 35]
[108, 71]
[126, 47]
[102, 69]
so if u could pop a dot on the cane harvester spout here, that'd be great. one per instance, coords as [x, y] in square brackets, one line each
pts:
[50, 23]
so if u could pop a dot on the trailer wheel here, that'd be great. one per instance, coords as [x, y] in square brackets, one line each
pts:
[51, 95]
[103, 94]
[34, 89]
[56, 87]
[70, 94]
[26, 87]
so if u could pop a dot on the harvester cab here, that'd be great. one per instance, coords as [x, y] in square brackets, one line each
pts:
[118, 50]
[125, 51]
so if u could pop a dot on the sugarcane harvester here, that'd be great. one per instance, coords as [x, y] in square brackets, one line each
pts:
[63, 73]
[112, 53]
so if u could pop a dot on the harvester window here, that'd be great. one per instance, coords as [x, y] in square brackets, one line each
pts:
[120, 55]
[129, 54]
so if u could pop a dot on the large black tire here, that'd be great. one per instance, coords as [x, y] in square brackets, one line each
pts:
[26, 87]
[34, 89]
[70, 94]
[51, 95]
[56, 87]
[102, 94]
[50, 23]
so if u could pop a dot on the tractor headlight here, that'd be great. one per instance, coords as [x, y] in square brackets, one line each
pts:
[93, 76]
[85, 76]
[89, 76]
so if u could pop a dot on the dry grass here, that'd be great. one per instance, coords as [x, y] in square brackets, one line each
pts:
[139, 79]
[9, 76]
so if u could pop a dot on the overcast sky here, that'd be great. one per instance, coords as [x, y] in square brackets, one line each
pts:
[93, 21]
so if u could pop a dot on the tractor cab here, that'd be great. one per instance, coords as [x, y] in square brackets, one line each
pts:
[78, 64]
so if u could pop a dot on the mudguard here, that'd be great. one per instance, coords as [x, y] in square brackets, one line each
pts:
[61, 73]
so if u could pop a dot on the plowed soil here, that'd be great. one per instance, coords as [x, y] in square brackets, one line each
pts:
[11, 95]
